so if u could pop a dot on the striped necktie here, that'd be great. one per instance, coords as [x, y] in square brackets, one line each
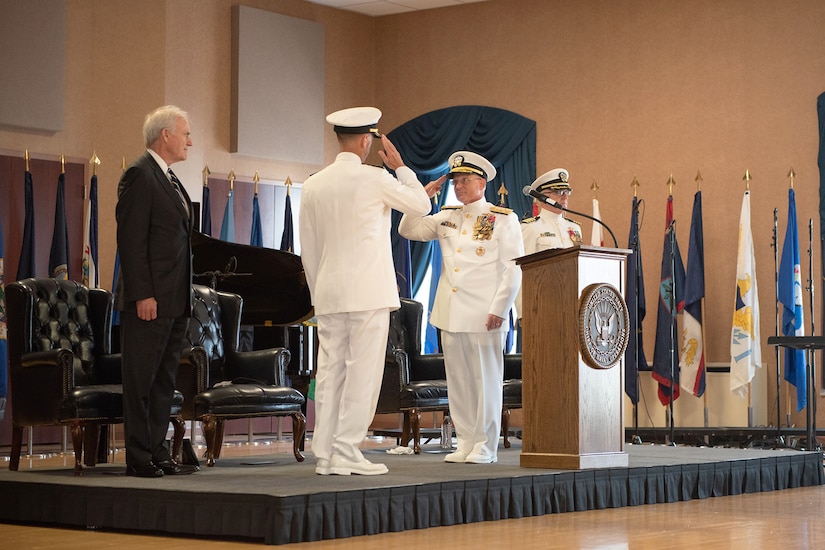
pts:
[177, 185]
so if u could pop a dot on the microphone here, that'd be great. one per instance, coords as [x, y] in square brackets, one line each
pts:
[530, 192]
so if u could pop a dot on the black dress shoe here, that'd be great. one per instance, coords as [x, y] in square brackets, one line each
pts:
[144, 470]
[172, 468]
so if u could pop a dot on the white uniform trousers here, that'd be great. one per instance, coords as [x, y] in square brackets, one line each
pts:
[474, 362]
[352, 350]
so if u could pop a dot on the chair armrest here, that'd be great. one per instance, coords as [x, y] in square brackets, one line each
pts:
[267, 366]
[193, 372]
[400, 364]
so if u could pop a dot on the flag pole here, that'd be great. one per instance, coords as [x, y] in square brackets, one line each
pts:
[637, 261]
[814, 445]
[670, 183]
[777, 352]
[698, 181]
[747, 178]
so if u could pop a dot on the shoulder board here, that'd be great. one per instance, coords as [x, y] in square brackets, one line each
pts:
[500, 209]
[573, 222]
[452, 206]
[529, 220]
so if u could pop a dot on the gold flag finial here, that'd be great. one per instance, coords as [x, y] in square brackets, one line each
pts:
[122, 164]
[205, 173]
[595, 188]
[698, 179]
[670, 183]
[502, 192]
[791, 176]
[26, 156]
[94, 161]
[747, 178]
[256, 179]
[231, 180]
[635, 185]
[288, 185]
[62, 164]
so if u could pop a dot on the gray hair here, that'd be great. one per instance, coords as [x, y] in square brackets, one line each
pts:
[162, 117]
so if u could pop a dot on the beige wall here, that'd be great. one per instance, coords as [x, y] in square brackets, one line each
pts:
[635, 88]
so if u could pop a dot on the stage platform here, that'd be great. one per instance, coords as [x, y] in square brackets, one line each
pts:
[741, 437]
[275, 500]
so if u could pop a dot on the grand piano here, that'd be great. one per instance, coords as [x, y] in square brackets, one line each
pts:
[276, 300]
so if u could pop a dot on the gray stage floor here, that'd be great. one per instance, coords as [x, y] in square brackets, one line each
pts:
[274, 499]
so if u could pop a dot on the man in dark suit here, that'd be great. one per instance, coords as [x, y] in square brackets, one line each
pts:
[154, 220]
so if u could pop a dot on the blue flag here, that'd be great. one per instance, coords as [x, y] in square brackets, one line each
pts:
[637, 308]
[671, 301]
[4, 355]
[790, 296]
[25, 268]
[257, 236]
[90, 273]
[287, 240]
[228, 224]
[59, 254]
[692, 363]
[206, 213]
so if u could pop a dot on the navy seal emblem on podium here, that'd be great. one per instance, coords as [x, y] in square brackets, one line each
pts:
[603, 325]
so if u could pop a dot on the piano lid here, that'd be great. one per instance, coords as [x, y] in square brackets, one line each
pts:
[271, 282]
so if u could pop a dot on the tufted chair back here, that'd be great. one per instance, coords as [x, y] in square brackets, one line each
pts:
[45, 315]
[206, 329]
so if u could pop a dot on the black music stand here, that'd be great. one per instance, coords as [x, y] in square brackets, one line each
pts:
[810, 344]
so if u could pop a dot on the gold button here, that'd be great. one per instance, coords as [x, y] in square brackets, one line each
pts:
[464, 232]
[455, 269]
[455, 289]
[458, 251]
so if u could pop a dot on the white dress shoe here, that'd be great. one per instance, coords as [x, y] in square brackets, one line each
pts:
[479, 458]
[342, 467]
[322, 467]
[456, 456]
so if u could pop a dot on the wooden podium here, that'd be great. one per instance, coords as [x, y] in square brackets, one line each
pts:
[573, 411]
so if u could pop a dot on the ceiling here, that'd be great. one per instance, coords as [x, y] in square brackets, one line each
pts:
[390, 7]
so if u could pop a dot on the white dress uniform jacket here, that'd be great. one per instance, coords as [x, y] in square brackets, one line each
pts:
[346, 253]
[479, 243]
[549, 231]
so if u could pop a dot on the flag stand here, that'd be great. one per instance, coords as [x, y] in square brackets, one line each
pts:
[775, 245]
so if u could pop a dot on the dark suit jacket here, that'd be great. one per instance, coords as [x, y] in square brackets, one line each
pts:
[153, 240]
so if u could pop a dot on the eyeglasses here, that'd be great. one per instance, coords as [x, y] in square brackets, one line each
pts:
[562, 192]
[464, 180]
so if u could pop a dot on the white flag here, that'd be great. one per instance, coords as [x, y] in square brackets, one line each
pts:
[745, 347]
[596, 237]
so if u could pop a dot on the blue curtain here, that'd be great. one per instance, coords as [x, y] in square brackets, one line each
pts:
[504, 138]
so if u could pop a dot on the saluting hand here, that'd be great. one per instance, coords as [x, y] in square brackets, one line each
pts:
[390, 155]
[434, 187]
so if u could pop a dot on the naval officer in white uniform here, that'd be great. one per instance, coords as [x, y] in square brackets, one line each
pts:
[479, 280]
[550, 229]
[347, 258]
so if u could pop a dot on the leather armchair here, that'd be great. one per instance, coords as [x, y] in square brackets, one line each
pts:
[413, 382]
[61, 367]
[220, 383]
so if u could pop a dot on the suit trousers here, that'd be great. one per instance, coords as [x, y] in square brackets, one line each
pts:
[151, 353]
[352, 350]
[474, 362]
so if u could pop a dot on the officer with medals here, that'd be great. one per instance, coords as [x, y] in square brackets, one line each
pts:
[550, 229]
[479, 280]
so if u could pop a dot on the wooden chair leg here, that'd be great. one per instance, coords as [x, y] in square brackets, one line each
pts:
[219, 425]
[103, 443]
[16, 447]
[78, 430]
[415, 428]
[208, 425]
[405, 430]
[299, 426]
[179, 428]
[505, 426]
